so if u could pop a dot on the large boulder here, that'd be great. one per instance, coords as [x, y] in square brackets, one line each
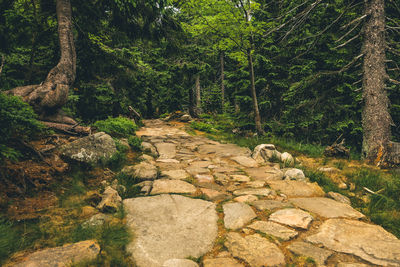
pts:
[265, 152]
[90, 149]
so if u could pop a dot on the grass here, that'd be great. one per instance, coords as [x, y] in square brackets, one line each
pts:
[383, 207]
[132, 190]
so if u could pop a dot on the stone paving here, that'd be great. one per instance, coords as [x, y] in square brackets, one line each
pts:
[216, 203]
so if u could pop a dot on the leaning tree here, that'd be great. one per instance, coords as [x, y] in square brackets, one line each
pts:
[48, 97]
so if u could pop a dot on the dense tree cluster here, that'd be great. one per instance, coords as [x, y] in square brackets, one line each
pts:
[299, 69]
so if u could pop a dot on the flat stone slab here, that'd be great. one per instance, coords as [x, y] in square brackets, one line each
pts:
[225, 262]
[292, 217]
[169, 227]
[320, 255]
[224, 150]
[255, 184]
[254, 191]
[166, 150]
[193, 170]
[270, 204]
[327, 208]
[245, 161]
[240, 178]
[175, 174]
[201, 164]
[265, 173]
[369, 242]
[165, 186]
[274, 229]
[297, 188]
[62, 256]
[213, 194]
[245, 198]
[255, 250]
[237, 215]
[204, 178]
[179, 263]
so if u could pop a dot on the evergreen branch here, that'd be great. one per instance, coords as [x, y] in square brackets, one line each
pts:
[347, 42]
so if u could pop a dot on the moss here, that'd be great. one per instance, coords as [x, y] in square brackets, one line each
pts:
[117, 127]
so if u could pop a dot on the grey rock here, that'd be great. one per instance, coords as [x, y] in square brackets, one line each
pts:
[270, 204]
[351, 264]
[327, 208]
[240, 178]
[147, 158]
[274, 229]
[224, 150]
[179, 263]
[170, 227]
[295, 174]
[166, 150]
[141, 171]
[96, 220]
[245, 198]
[237, 215]
[204, 178]
[265, 173]
[254, 191]
[287, 159]
[297, 188]
[255, 250]
[292, 217]
[245, 161]
[110, 201]
[175, 174]
[185, 118]
[90, 149]
[149, 148]
[320, 255]
[218, 262]
[62, 256]
[338, 197]
[264, 152]
[369, 242]
[165, 186]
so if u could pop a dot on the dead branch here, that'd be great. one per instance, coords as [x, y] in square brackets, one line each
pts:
[354, 21]
[347, 42]
[347, 33]
[68, 129]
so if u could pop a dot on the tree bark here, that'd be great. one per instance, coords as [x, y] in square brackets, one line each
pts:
[376, 119]
[198, 93]
[48, 97]
[257, 118]
[221, 58]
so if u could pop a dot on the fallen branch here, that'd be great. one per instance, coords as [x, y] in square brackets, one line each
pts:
[67, 128]
[372, 192]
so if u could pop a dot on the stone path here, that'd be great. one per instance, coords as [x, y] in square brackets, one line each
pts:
[216, 203]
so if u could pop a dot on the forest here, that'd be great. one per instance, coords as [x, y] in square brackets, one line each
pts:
[301, 74]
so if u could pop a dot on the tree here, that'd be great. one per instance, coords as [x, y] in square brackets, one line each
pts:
[376, 119]
[48, 97]
[231, 23]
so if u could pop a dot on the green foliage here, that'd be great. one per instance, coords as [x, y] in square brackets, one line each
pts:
[132, 190]
[116, 127]
[322, 180]
[9, 239]
[383, 206]
[203, 126]
[17, 121]
[135, 143]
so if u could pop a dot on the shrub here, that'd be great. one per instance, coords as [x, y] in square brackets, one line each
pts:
[135, 143]
[117, 127]
[17, 121]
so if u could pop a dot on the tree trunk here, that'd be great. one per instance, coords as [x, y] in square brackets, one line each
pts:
[376, 119]
[198, 93]
[257, 118]
[48, 97]
[221, 57]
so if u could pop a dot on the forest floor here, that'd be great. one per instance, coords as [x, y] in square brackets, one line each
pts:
[212, 204]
